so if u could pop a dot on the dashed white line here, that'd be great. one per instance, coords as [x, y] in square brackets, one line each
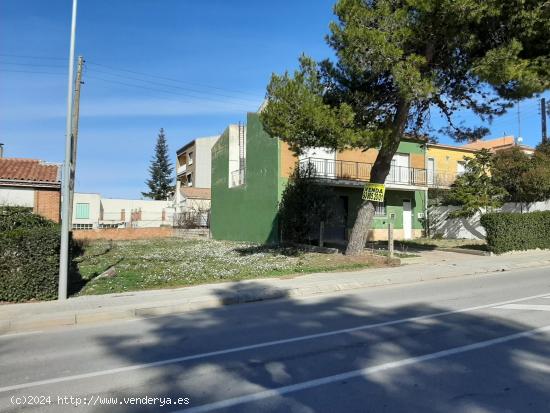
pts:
[533, 307]
[360, 373]
[253, 346]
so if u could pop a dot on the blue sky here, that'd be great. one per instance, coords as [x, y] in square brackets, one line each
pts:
[222, 54]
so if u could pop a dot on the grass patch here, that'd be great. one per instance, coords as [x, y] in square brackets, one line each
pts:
[480, 245]
[163, 263]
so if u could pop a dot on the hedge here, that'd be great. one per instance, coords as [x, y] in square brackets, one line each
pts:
[515, 231]
[29, 264]
[12, 217]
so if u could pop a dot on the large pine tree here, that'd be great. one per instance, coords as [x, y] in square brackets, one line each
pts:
[161, 182]
[398, 62]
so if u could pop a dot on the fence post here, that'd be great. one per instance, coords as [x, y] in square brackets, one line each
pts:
[321, 233]
[390, 240]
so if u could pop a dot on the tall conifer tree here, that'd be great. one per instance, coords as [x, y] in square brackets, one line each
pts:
[161, 182]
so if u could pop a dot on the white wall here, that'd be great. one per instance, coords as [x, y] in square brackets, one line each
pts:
[13, 196]
[470, 228]
[151, 211]
[94, 201]
[203, 161]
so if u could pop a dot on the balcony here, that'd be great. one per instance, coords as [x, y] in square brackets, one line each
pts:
[182, 169]
[361, 171]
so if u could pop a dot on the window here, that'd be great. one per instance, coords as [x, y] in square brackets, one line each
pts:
[82, 211]
[189, 179]
[460, 168]
[190, 158]
[82, 226]
[431, 171]
[379, 209]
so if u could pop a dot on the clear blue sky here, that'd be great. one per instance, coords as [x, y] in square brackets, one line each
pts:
[221, 52]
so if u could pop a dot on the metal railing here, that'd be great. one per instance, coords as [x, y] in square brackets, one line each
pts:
[361, 171]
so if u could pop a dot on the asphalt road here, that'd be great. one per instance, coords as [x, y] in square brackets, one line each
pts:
[460, 345]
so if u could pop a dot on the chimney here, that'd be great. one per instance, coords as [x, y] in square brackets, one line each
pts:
[1, 150]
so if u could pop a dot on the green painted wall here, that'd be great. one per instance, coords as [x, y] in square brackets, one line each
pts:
[394, 204]
[411, 147]
[247, 212]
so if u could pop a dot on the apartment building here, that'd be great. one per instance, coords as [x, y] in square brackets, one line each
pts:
[193, 167]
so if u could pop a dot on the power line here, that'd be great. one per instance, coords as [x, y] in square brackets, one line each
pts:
[29, 64]
[161, 91]
[33, 57]
[169, 79]
[150, 75]
[168, 85]
[32, 71]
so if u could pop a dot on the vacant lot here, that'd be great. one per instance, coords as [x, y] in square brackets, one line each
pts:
[148, 264]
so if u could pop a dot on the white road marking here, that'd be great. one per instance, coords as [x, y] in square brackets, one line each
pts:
[253, 346]
[525, 307]
[360, 373]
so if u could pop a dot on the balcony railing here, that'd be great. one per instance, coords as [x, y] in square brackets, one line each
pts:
[182, 169]
[361, 171]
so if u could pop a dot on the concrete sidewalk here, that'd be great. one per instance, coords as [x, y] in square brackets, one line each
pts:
[88, 310]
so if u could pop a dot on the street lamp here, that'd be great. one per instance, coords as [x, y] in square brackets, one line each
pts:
[65, 212]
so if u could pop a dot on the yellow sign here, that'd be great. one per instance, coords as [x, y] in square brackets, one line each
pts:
[374, 192]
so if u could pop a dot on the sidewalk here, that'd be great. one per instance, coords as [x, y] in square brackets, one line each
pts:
[88, 310]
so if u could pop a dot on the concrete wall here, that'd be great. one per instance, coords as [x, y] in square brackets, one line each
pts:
[14, 196]
[247, 212]
[147, 213]
[203, 161]
[94, 202]
[470, 228]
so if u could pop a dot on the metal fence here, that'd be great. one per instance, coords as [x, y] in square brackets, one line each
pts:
[192, 219]
[361, 171]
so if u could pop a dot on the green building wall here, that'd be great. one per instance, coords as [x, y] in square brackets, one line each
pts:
[247, 212]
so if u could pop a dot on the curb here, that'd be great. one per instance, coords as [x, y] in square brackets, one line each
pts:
[129, 312]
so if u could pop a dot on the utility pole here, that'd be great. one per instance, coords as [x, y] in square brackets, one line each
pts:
[65, 212]
[74, 133]
[543, 119]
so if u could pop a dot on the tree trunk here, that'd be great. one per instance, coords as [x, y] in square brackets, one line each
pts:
[379, 172]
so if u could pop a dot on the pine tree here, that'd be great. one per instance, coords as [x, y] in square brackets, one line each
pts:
[161, 182]
[395, 63]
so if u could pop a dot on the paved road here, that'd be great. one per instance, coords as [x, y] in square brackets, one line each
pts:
[459, 345]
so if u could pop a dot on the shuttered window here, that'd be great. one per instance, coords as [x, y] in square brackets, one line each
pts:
[82, 211]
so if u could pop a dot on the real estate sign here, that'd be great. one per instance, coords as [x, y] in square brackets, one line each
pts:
[374, 192]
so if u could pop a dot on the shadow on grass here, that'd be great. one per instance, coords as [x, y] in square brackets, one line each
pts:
[289, 251]
[495, 379]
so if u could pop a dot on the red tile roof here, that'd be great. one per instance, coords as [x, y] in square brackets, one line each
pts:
[30, 170]
[195, 193]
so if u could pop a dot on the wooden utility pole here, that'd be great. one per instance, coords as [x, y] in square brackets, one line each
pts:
[74, 136]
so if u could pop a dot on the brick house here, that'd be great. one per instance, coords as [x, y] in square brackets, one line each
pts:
[31, 183]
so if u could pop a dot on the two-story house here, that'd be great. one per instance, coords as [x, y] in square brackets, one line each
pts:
[250, 170]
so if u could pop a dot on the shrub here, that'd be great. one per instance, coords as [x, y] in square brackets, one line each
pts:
[29, 264]
[514, 231]
[12, 217]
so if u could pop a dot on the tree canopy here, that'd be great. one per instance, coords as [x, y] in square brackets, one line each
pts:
[400, 61]
[475, 190]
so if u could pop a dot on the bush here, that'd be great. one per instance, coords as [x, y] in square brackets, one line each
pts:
[514, 231]
[12, 217]
[29, 264]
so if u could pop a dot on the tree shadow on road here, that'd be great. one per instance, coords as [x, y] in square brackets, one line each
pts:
[494, 379]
